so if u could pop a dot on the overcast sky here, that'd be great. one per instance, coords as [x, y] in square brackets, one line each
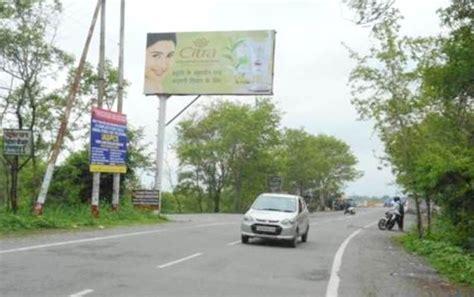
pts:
[311, 65]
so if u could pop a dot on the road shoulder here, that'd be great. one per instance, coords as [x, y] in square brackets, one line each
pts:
[375, 264]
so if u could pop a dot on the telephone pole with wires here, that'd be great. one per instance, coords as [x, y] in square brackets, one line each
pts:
[116, 185]
[38, 210]
[100, 100]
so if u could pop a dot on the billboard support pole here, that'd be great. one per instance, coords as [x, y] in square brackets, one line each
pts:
[116, 185]
[160, 145]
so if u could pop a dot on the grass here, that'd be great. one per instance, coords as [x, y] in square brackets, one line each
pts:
[72, 218]
[448, 259]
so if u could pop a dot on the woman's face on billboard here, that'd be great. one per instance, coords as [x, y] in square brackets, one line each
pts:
[159, 57]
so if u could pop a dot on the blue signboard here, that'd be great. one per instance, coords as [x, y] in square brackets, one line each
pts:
[108, 150]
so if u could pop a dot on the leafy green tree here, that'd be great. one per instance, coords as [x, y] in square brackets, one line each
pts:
[228, 147]
[27, 56]
[317, 164]
[419, 92]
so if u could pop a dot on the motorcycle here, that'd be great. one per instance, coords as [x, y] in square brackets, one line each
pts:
[389, 220]
[350, 210]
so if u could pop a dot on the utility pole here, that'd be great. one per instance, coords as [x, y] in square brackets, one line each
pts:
[100, 98]
[116, 186]
[64, 121]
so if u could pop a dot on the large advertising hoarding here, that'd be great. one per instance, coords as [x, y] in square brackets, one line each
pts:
[108, 151]
[212, 63]
[17, 142]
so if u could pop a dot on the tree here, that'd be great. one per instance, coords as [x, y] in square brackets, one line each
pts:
[317, 164]
[227, 148]
[419, 92]
[27, 56]
[369, 11]
[386, 88]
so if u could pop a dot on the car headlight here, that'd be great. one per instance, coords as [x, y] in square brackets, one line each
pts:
[248, 219]
[288, 222]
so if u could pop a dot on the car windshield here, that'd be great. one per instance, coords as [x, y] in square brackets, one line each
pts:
[275, 203]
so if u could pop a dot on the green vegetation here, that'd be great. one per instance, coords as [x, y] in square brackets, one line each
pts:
[447, 258]
[228, 150]
[73, 218]
[419, 91]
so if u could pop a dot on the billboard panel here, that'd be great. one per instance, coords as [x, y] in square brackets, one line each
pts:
[213, 63]
[108, 147]
[17, 142]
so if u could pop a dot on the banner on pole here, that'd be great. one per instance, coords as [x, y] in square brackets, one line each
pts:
[17, 142]
[108, 144]
[210, 63]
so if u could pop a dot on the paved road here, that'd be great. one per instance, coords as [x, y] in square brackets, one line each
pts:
[201, 255]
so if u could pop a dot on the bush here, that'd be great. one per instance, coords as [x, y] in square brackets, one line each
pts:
[73, 217]
[448, 259]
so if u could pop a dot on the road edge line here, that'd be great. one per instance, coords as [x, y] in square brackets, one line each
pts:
[333, 284]
[115, 236]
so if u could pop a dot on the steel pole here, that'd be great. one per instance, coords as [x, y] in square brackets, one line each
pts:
[160, 146]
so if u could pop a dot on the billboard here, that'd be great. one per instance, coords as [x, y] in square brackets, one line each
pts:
[210, 63]
[17, 142]
[108, 146]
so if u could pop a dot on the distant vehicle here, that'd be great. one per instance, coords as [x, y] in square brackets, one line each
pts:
[276, 216]
[349, 210]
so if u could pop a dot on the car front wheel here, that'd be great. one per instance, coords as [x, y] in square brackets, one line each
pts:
[294, 241]
[245, 239]
[304, 237]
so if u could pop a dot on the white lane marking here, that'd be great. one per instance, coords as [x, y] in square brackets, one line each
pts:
[82, 293]
[91, 239]
[234, 243]
[333, 284]
[370, 225]
[179, 260]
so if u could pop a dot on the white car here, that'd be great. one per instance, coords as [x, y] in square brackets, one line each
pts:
[276, 216]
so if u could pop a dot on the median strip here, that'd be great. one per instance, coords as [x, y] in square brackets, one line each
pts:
[179, 261]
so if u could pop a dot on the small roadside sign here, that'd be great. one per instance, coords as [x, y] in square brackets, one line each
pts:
[17, 142]
[146, 199]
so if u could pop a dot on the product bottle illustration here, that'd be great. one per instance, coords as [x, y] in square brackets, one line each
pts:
[259, 53]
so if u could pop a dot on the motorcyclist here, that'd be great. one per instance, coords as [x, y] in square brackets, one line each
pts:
[401, 212]
[348, 207]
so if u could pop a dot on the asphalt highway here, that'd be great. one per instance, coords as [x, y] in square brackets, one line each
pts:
[201, 255]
